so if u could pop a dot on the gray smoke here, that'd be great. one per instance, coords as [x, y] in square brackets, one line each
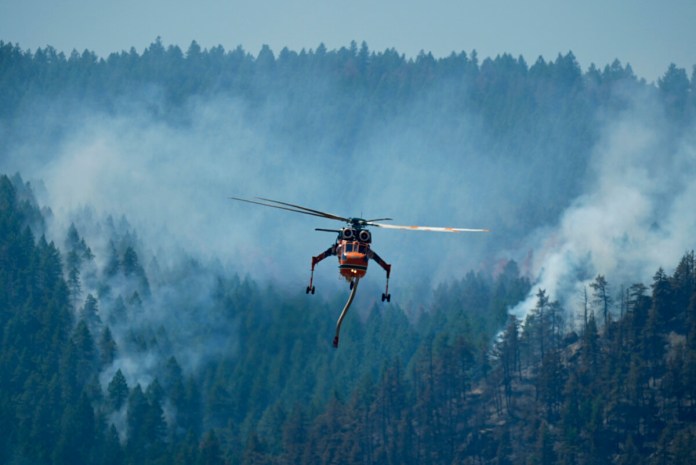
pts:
[429, 163]
[635, 216]
[172, 182]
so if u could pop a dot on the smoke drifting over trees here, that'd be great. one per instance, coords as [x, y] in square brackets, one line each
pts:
[179, 316]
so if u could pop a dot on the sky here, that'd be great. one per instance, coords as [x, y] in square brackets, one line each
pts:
[646, 34]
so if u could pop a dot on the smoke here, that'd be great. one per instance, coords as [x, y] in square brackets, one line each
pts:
[171, 181]
[163, 176]
[635, 216]
[132, 178]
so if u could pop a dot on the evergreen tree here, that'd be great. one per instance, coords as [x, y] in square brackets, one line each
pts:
[107, 348]
[674, 87]
[86, 351]
[117, 390]
[210, 451]
[90, 313]
[77, 439]
[662, 310]
[111, 452]
[508, 351]
[601, 298]
[155, 425]
[137, 426]
[113, 264]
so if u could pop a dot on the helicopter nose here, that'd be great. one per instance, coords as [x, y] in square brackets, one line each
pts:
[354, 254]
[355, 257]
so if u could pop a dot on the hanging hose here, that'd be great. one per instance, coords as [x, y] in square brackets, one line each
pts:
[345, 310]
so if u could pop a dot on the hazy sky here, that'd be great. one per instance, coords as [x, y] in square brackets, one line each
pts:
[645, 33]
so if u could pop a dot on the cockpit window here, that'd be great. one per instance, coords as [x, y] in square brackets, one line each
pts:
[349, 247]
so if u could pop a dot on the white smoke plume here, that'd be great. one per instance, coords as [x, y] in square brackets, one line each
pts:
[635, 216]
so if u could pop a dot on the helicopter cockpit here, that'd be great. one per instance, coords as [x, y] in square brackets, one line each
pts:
[355, 247]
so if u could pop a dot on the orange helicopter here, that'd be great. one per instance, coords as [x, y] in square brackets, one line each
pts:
[352, 246]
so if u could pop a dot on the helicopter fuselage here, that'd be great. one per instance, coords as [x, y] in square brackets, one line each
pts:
[353, 251]
[352, 258]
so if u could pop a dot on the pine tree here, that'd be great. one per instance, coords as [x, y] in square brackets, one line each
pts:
[74, 282]
[509, 357]
[601, 298]
[77, 438]
[550, 382]
[255, 452]
[136, 426]
[210, 452]
[683, 281]
[294, 435]
[107, 348]
[118, 390]
[112, 451]
[113, 264]
[155, 426]
[90, 313]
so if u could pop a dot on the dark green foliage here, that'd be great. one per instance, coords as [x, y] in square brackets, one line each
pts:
[78, 254]
[252, 395]
[107, 347]
[117, 391]
[267, 388]
[35, 345]
[138, 433]
[77, 439]
[600, 297]
[210, 451]
[432, 392]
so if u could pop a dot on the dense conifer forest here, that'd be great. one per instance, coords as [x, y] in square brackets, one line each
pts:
[110, 354]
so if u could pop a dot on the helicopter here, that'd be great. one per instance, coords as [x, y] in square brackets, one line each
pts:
[353, 247]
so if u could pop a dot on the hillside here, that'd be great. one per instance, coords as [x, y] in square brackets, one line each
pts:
[144, 319]
[269, 389]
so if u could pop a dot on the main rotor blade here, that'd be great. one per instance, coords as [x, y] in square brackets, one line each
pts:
[426, 228]
[296, 209]
[309, 210]
[377, 219]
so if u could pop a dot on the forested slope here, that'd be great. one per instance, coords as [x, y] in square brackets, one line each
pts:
[439, 391]
[116, 349]
[65, 398]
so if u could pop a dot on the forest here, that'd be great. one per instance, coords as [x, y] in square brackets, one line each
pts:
[116, 350]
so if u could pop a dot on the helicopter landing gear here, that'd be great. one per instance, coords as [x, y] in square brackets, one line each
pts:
[328, 252]
[310, 289]
[387, 267]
